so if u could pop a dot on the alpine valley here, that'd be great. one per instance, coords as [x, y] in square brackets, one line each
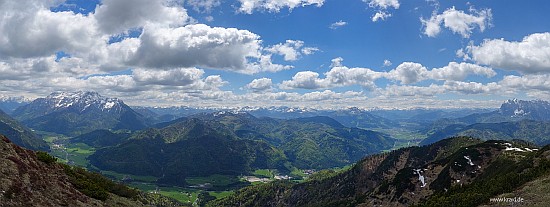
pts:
[104, 152]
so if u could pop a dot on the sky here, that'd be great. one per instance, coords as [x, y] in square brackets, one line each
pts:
[298, 53]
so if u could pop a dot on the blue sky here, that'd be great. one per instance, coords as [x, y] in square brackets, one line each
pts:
[310, 53]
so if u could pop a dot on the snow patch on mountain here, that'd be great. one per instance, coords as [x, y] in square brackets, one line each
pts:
[420, 177]
[469, 160]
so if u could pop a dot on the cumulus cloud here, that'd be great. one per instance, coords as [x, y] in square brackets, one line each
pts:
[458, 87]
[165, 40]
[265, 63]
[344, 76]
[531, 55]
[470, 87]
[380, 15]
[260, 85]
[459, 71]
[203, 5]
[291, 50]
[175, 77]
[337, 24]
[196, 45]
[51, 31]
[248, 6]
[409, 72]
[457, 21]
[384, 4]
[387, 63]
[381, 7]
[305, 80]
[117, 16]
[407, 90]
[405, 73]
[338, 76]
[527, 82]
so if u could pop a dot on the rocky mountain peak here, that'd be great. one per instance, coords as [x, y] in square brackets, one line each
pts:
[81, 101]
[534, 109]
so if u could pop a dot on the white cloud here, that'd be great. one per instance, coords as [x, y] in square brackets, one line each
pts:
[209, 18]
[384, 4]
[329, 95]
[457, 21]
[248, 6]
[408, 72]
[291, 50]
[381, 7]
[459, 71]
[309, 50]
[336, 62]
[387, 63]
[119, 83]
[531, 55]
[29, 29]
[337, 24]
[526, 83]
[344, 76]
[407, 90]
[175, 77]
[196, 45]
[380, 15]
[260, 85]
[162, 45]
[265, 63]
[305, 80]
[457, 87]
[203, 5]
[338, 76]
[117, 16]
[470, 87]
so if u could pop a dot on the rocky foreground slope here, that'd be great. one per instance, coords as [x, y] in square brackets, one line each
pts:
[29, 178]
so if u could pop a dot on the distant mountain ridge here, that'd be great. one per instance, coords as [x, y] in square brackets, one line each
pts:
[534, 109]
[350, 117]
[20, 134]
[74, 113]
[235, 142]
[537, 132]
[80, 101]
[310, 142]
[188, 148]
[512, 110]
[9, 104]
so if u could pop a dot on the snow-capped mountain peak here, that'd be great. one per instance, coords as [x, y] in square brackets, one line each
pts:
[534, 109]
[82, 101]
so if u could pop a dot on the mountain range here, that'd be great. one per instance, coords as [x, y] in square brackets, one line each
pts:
[510, 111]
[311, 142]
[237, 143]
[185, 149]
[75, 113]
[537, 132]
[516, 119]
[459, 171]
